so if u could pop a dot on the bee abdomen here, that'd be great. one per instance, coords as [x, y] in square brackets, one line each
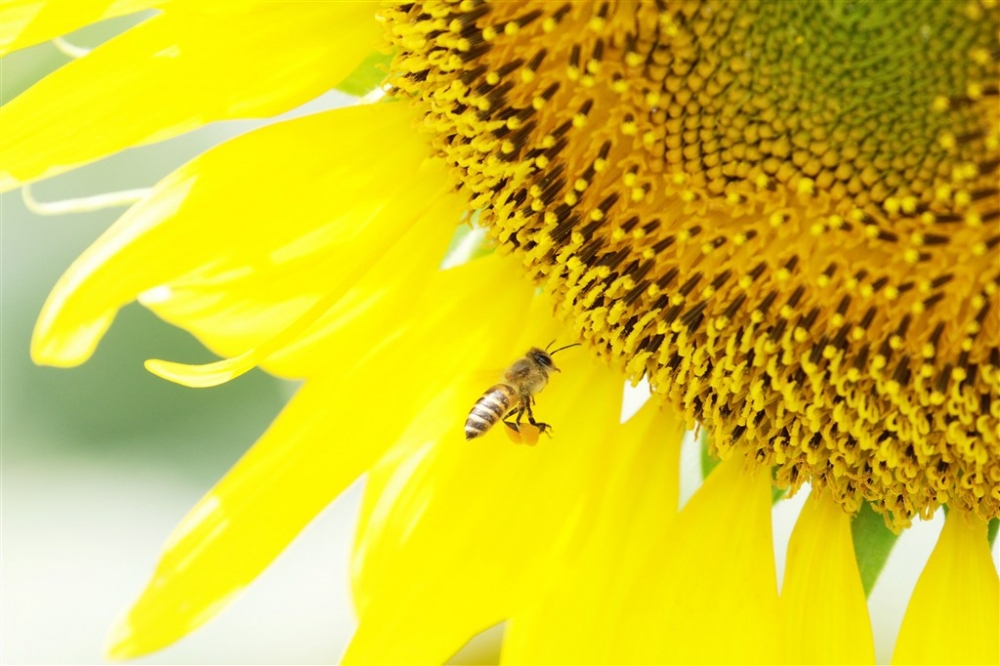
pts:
[489, 409]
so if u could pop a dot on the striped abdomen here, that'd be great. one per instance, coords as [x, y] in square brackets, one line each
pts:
[489, 409]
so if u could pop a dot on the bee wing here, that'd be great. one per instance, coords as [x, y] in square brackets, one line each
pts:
[518, 372]
[486, 377]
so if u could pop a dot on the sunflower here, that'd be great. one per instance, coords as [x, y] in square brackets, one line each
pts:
[784, 216]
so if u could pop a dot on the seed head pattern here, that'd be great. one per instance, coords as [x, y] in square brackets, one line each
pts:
[786, 215]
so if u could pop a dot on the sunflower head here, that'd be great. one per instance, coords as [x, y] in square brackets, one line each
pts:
[784, 214]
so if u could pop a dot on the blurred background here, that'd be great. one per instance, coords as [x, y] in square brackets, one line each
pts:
[99, 463]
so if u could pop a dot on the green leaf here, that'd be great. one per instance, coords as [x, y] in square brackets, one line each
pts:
[467, 243]
[368, 76]
[776, 492]
[708, 461]
[873, 542]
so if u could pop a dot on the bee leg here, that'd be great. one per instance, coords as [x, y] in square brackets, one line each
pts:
[542, 427]
[516, 426]
[531, 415]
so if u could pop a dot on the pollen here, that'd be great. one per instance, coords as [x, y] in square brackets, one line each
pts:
[792, 209]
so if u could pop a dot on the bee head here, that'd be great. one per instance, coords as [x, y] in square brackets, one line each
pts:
[542, 358]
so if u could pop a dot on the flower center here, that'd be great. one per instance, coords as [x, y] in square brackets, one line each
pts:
[785, 214]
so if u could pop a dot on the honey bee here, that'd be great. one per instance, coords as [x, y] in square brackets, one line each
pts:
[515, 396]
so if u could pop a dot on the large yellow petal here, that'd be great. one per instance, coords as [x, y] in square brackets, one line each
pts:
[195, 64]
[824, 610]
[331, 432]
[565, 620]
[401, 246]
[240, 526]
[233, 215]
[453, 532]
[706, 593]
[24, 23]
[954, 614]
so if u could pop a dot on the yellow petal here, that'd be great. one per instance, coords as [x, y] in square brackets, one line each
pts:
[402, 289]
[304, 460]
[331, 432]
[564, 621]
[954, 614]
[220, 372]
[824, 610]
[24, 23]
[257, 308]
[444, 549]
[201, 227]
[189, 66]
[707, 592]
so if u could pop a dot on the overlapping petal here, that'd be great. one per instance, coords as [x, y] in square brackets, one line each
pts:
[240, 526]
[706, 591]
[954, 613]
[566, 619]
[192, 65]
[445, 550]
[824, 614]
[333, 430]
[410, 229]
[25, 23]
[239, 283]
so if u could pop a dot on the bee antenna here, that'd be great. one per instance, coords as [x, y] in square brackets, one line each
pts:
[549, 345]
[550, 353]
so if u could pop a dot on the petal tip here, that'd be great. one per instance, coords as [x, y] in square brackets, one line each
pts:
[45, 353]
[54, 344]
[183, 374]
[8, 183]
[122, 644]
